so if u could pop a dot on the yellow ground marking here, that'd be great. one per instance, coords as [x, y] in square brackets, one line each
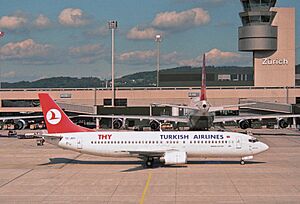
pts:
[146, 188]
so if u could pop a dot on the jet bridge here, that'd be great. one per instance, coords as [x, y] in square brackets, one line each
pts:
[83, 109]
[267, 106]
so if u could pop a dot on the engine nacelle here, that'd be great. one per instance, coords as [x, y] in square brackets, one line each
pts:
[244, 124]
[20, 124]
[118, 123]
[154, 125]
[175, 158]
[283, 123]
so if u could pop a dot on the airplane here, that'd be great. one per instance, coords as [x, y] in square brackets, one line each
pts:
[19, 122]
[200, 115]
[170, 147]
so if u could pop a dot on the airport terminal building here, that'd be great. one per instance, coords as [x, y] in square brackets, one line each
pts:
[266, 31]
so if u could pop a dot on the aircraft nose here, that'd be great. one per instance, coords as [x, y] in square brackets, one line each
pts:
[264, 147]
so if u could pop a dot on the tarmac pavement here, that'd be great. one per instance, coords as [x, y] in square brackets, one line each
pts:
[47, 174]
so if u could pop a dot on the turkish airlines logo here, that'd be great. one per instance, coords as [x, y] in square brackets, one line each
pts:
[53, 116]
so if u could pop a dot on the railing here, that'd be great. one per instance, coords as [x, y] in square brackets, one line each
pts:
[151, 88]
[77, 108]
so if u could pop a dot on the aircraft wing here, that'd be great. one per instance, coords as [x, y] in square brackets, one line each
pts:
[51, 136]
[219, 108]
[20, 117]
[175, 106]
[145, 154]
[141, 117]
[261, 117]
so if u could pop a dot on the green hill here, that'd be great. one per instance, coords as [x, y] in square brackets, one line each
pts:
[140, 79]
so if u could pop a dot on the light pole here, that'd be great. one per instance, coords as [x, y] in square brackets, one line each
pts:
[1, 35]
[112, 25]
[158, 40]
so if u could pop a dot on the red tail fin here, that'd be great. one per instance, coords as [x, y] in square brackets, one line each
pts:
[203, 85]
[56, 120]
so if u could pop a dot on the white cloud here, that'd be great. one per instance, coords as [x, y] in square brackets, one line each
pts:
[10, 74]
[41, 21]
[137, 33]
[217, 57]
[12, 22]
[146, 57]
[87, 54]
[24, 49]
[72, 17]
[29, 52]
[181, 20]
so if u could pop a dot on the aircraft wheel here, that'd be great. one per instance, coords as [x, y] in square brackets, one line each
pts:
[242, 162]
[149, 162]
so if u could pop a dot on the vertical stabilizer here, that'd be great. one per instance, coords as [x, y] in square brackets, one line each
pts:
[56, 120]
[203, 85]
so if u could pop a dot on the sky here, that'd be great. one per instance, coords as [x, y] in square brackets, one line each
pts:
[51, 38]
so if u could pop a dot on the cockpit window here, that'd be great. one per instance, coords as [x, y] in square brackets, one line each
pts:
[253, 140]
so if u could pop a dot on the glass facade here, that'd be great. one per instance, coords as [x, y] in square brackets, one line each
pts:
[257, 12]
[258, 5]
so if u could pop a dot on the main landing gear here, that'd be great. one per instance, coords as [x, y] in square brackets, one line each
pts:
[149, 162]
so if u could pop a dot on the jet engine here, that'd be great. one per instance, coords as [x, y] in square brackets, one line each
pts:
[154, 125]
[282, 123]
[174, 158]
[244, 124]
[20, 124]
[117, 123]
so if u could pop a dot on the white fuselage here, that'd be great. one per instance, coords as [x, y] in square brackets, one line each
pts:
[194, 144]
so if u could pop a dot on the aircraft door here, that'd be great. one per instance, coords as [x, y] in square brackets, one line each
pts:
[238, 142]
[79, 144]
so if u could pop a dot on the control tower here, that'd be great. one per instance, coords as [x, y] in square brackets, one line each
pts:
[269, 33]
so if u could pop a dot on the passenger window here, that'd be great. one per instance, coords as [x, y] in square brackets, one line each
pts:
[92, 142]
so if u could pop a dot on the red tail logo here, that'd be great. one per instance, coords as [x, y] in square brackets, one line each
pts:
[53, 116]
[56, 120]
